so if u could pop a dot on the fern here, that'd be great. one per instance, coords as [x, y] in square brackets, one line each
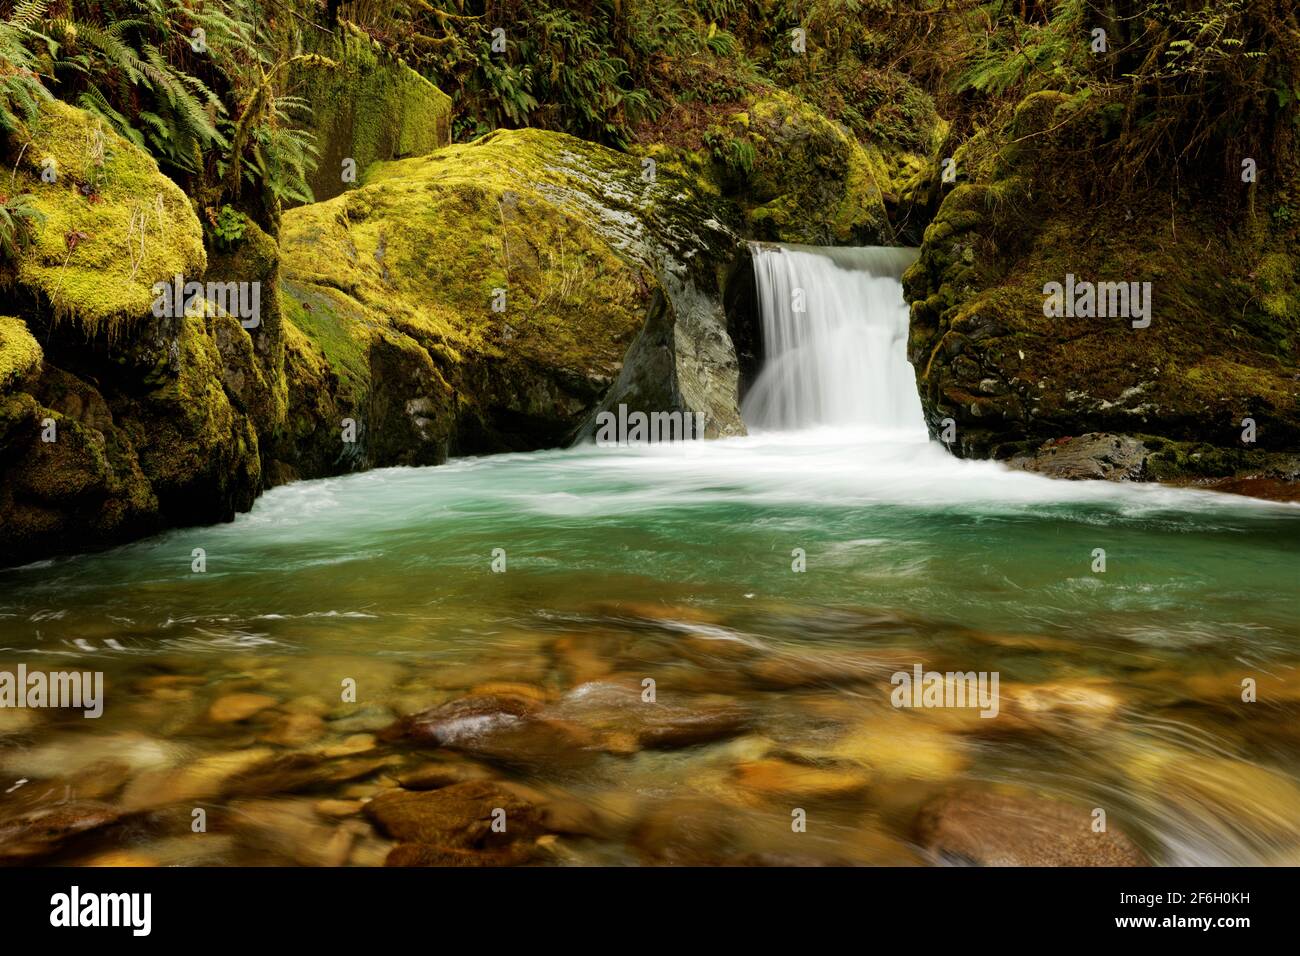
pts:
[18, 219]
[93, 101]
[21, 90]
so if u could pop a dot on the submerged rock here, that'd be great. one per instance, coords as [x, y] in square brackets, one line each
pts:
[789, 670]
[476, 823]
[465, 720]
[97, 782]
[1081, 704]
[334, 809]
[233, 708]
[686, 831]
[1237, 808]
[295, 730]
[77, 755]
[775, 776]
[423, 854]
[295, 772]
[988, 828]
[512, 731]
[597, 717]
[120, 858]
[899, 748]
[618, 711]
[40, 832]
[201, 779]
[459, 815]
[291, 832]
[669, 729]
[368, 719]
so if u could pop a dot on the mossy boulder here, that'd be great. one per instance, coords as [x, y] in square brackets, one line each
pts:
[1219, 352]
[70, 477]
[811, 180]
[20, 355]
[367, 107]
[794, 174]
[252, 360]
[117, 441]
[484, 297]
[113, 226]
[197, 447]
[121, 422]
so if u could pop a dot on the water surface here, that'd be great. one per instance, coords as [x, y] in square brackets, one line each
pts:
[676, 563]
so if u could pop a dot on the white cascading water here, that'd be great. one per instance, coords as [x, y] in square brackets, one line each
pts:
[834, 326]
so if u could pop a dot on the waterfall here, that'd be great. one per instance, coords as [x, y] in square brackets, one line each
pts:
[834, 326]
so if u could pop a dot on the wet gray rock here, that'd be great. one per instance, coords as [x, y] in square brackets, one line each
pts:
[461, 722]
[1094, 455]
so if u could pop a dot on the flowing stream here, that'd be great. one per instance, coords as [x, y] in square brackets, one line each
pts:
[1120, 689]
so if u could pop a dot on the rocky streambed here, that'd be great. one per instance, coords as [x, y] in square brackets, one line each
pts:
[546, 751]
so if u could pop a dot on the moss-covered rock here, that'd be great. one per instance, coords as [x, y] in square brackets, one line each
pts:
[1219, 349]
[811, 181]
[20, 355]
[114, 225]
[794, 174]
[252, 360]
[484, 297]
[71, 478]
[367, 107]
[198, 449]
[122, 421]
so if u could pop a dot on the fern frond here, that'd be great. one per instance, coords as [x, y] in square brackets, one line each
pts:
[28, 13]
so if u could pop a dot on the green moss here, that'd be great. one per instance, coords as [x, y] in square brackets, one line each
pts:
[114, 225]
[794, 174]
[83, 489]
[368, 108]
[20, 355]
[812, 181]
[188, 435]
[887, 109]
[338, 328]
[1277, 290]
[428, 241]
[1171, 460]
[18, 413]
